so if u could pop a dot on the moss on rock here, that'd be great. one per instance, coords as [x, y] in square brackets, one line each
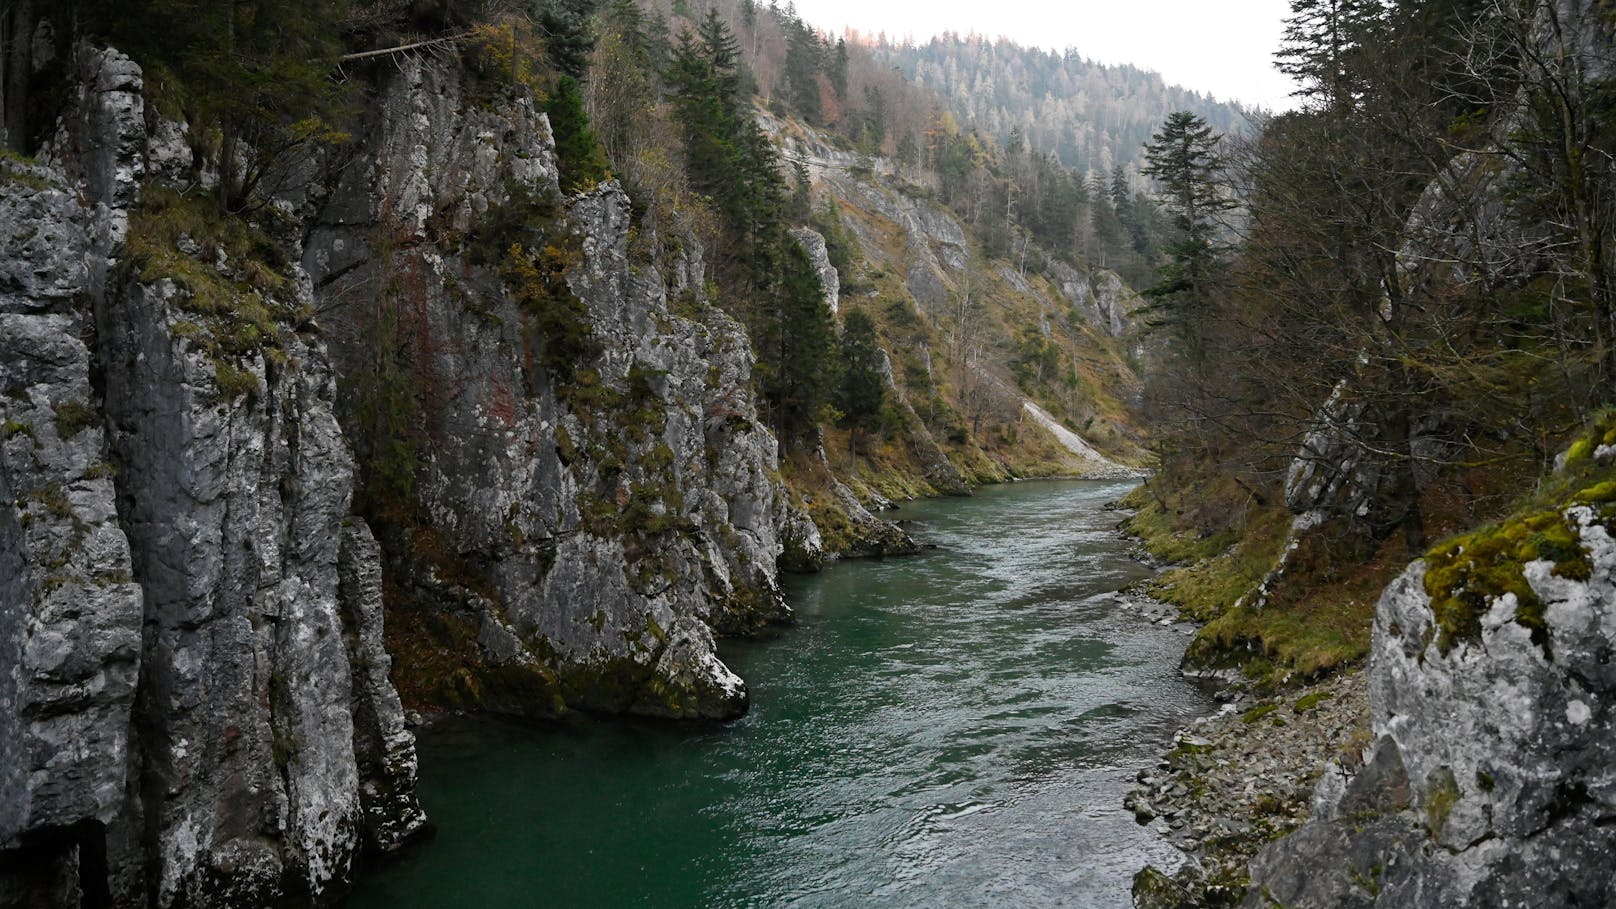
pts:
[1465, 575]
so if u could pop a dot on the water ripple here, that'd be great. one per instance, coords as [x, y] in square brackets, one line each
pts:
[953, 729]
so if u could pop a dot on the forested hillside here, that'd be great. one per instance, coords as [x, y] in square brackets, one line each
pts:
[1092, 117]
[1014, 191]
[488, 356]
[1422, 306]
[1385, 425]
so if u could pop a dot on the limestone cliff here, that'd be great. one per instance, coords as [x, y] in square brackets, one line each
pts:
[1488, 780]
[577, 530]
[194, 707]
[200, 411]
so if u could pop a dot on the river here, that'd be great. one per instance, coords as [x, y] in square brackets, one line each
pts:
[952, 729]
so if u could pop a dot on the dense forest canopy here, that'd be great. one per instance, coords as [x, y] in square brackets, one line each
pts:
[1091, 116]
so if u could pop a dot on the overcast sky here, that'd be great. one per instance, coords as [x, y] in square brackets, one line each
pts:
[1221, 47]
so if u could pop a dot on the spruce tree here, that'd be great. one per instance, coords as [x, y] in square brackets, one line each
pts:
[1322, 37]
[863, 388]
[579, 157]
[1187, 166]
[838, 69]
[567, 37]
[804, 60]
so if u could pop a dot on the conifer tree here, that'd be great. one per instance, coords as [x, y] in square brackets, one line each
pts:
[838, 69]
[567, 37]
[579, 157]
[767, 277]
[1187, 166]
[804, 61]
[1322, 37]
[863, 388]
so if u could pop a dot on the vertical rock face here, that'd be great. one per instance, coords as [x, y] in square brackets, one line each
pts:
[584, 524]
[70, 614]
[818, 254]
[384, 750]
[234, 507]
[1489, 783]
[196, 695]
[1100, 296]
[192, 710]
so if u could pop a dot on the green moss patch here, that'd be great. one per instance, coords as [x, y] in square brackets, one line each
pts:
[1222, 568]
[1258, 712]
[1465, 574]
[1442, 794]
[14, 169]
[234, 280]
[1308, 702]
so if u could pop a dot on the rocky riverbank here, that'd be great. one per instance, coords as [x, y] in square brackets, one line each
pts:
[1240, 779]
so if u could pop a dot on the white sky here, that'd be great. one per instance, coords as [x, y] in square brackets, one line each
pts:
[1220, 47]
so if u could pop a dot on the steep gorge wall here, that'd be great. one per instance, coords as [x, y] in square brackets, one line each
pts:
[197, 702]
[1488, 783]
[195, 707]
[586, 524]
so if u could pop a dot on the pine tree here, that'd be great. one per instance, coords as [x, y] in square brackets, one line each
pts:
[622, 94]
[766, 275]
[1321, 39]
[873, 133]
[805, 364]
[579, 157]
[804, 60]
[838, 69]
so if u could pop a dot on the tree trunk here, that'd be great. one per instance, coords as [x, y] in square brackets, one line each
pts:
[1405, 491]
[17, 60]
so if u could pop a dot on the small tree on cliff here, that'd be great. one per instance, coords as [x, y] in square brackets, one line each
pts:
[253, 78]
[863, 389]
[578, 153]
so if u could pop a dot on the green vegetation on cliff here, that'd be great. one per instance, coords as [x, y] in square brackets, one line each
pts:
[1467, 573]
[1382, 356]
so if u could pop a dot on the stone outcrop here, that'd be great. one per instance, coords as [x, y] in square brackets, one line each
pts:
[1488, 782]
[1101, 296]
[829, 280]
[574, 517]
[192, 708]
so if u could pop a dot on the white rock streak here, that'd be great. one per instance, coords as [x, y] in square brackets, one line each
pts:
[1077, 445]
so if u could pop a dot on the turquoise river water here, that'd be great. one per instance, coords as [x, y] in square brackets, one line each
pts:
[952, 729]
